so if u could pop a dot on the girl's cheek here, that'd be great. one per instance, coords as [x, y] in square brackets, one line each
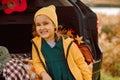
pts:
[37, 28]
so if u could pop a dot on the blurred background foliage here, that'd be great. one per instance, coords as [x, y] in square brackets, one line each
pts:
[109, 38]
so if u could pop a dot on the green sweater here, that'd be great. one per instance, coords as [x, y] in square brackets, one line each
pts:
[55, 61]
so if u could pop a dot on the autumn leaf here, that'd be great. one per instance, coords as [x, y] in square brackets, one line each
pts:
[79, 39]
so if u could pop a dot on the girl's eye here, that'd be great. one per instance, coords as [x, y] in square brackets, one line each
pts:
[42, 24]
[38, 25]
[45, 23]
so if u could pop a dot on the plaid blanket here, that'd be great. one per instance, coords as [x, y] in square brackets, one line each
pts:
[14, 70]
[17, 68]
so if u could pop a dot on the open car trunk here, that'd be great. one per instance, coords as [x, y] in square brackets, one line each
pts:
[16, 28]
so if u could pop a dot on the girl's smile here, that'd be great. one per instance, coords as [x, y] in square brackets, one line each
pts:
[45, 27]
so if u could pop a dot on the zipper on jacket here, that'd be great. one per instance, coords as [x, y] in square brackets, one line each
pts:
[39, 55]
[67, 56]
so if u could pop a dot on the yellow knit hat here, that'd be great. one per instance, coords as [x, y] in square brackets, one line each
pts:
[49, 11]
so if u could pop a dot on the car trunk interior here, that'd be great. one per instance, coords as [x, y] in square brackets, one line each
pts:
[16, 28]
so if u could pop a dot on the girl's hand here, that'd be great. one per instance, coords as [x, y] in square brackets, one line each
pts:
[45, 76]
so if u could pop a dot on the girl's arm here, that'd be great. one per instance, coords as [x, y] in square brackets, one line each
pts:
[45, 76]
[80, 62]
[36, 62]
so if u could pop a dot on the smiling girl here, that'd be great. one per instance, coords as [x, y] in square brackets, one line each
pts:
[49, 52]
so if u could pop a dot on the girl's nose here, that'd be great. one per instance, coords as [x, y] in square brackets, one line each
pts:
[41, 27]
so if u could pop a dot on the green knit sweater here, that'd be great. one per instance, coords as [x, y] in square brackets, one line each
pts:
[55, 61]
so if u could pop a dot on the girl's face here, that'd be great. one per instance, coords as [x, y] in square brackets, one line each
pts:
[45, 27]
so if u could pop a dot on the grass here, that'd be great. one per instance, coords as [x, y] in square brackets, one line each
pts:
[108, 77]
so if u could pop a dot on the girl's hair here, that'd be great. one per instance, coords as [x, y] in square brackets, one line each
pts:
[34, 33]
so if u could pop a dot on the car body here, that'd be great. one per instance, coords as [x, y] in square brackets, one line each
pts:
[16, 27]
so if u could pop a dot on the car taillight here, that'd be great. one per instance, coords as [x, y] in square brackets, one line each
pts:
[97, 24]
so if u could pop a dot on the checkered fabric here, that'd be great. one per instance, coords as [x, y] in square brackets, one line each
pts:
[14, 69]
[21, 56]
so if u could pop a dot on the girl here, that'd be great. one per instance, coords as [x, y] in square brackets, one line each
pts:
[49, 52]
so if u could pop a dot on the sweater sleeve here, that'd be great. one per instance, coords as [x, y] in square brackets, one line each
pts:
[80, 62]
[36, 62]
